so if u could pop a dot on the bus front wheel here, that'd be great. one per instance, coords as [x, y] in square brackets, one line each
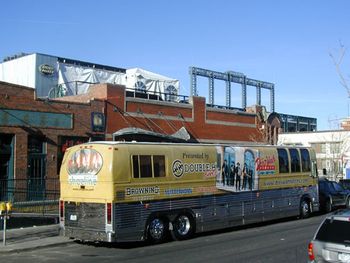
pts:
[157, 230]
[183, 227]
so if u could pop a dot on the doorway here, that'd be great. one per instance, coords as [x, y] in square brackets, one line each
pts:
[6, 166]
[36, 168]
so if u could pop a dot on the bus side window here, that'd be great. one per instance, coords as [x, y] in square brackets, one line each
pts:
[283, 160]
[135, 166]
[145, 166]
[159, 166]
[294, 160]
[305, 160]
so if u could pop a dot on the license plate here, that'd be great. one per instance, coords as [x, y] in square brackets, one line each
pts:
[73, 217]
[344, 257]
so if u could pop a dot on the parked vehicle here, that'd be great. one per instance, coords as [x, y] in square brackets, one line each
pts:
[345, 183]
[133, 191]
[331, 242]
[332, 195]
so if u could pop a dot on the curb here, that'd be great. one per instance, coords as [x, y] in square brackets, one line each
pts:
[30, 238]
[36, 244]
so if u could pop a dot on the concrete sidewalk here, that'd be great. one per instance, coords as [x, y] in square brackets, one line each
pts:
[22, 239]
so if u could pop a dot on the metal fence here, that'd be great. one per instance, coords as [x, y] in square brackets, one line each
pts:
[39, 196]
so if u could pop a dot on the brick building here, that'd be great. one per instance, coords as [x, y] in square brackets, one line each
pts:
[33, 136]
[34, 132]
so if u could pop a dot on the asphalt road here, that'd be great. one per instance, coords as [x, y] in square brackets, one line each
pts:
[282, 241]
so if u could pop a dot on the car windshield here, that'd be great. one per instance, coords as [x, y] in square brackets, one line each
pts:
[334, 231]
[337, 186]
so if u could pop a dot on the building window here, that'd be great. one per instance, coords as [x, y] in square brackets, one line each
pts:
[36, 145]
[283, 160]
[65, 142]
[294, 160]
[148, 166]
[335, 147]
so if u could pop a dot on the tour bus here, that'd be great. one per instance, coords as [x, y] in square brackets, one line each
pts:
[131, 191]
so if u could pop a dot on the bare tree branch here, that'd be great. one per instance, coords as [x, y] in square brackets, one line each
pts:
[337, 63]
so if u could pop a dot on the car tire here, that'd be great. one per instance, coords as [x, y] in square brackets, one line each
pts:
[347, 204]
[328, 206]
[183, 227]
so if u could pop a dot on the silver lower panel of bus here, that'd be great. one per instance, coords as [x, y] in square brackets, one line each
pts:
[213, 212]
[85, 221]
[209, 212]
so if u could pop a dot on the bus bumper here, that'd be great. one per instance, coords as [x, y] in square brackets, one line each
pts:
[88, 235]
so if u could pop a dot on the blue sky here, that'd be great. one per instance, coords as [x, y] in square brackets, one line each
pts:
[284, 42]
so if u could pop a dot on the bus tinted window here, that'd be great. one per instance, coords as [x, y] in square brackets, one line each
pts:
[135, 165]
[283, 160]
[142, 166]
[145, 166]
[305, 160]
[159, 165]
[295, 160]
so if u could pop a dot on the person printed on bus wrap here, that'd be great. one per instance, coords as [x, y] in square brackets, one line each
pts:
[245, 177]
[225, 171]
[250, 178]
[232, 174]
[238, 177]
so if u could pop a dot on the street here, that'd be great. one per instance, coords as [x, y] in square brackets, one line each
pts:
[281, 241]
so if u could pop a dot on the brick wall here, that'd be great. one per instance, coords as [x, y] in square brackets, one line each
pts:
[23, 98]
[203, 123]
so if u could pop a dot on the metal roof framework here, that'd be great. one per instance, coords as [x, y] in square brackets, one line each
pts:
[231, 77]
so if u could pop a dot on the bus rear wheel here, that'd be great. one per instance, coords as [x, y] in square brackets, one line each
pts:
[157, 230]
[183, 227]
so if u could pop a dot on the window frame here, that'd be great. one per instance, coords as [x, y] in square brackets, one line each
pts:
[287, 165]
[303, 168]
[292, 152]
[161, 173]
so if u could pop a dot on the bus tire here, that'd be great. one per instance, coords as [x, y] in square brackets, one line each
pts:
[305, 209]
[183, 227]
[157, 230]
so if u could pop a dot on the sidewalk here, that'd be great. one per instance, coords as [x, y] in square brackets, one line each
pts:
[22, 239]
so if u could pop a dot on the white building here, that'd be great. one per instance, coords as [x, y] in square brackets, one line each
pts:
[332, 150]
[53, 76]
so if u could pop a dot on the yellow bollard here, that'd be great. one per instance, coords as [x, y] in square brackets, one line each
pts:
[8, 207]
[2, 208]
[5, 210]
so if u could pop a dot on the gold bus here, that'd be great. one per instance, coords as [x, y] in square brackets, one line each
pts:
[127, 191]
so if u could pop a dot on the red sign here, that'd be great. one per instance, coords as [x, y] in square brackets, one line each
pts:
[266, 163]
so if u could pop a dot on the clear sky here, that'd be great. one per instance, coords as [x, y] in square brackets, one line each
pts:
[284, 42]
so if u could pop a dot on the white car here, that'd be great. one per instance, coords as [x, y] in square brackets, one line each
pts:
[331, 242]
